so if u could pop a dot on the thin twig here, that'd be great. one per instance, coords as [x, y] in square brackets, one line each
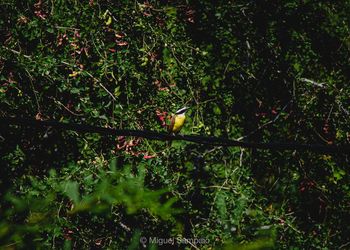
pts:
[17, 52]
[101, 85]
[265, 124]
[216, 195]
[219, 187]
[241, 157]
[344, 245]
[8, 246]
[66, 28]
[64, 106]
[343, 109]
[320, 85]
[33, 89]
[330, 112]
[94, 78]
[179, 62]
[194, 246]
[320, 136]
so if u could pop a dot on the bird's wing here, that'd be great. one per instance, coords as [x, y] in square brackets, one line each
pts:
[171, 125]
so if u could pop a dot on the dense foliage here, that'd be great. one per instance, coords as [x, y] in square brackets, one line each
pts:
[250, 70]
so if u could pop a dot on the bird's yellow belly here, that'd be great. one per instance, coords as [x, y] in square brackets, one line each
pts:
[179, 122]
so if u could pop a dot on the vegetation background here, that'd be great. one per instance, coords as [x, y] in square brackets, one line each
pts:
[259, 71]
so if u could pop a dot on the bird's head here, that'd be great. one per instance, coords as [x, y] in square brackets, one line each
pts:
[182, 110]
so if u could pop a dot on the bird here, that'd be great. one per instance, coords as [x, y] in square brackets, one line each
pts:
[177, 121]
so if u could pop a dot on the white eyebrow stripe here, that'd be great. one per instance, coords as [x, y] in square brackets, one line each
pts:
[182, 109]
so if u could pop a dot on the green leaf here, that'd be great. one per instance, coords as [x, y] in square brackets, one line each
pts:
[71, 189]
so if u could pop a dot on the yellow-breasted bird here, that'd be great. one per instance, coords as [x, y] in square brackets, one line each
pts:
[177, 121]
